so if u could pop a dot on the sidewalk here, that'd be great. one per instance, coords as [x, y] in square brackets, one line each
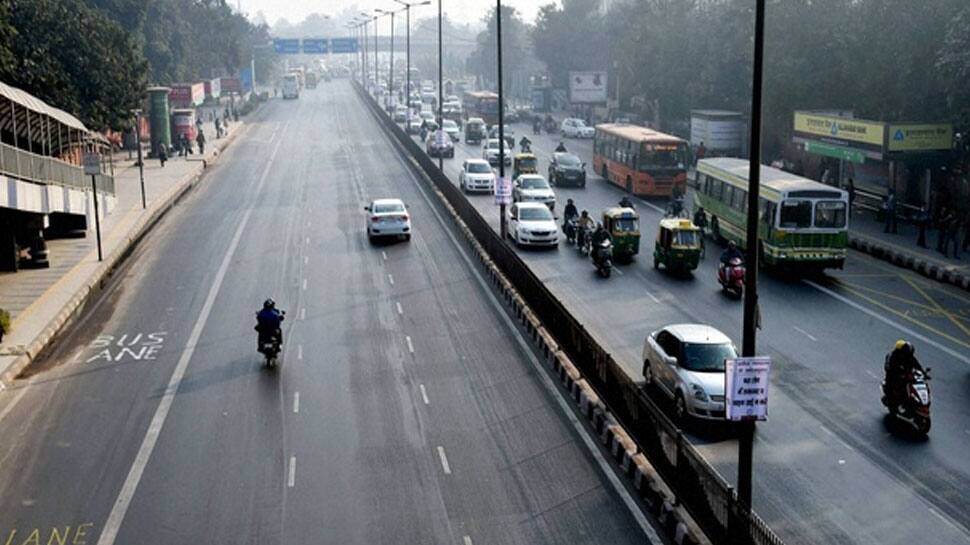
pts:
[42, 301]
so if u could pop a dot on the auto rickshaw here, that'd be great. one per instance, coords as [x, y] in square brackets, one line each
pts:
[678, 246]
[623, 225]
[524, 163]
[474, 131]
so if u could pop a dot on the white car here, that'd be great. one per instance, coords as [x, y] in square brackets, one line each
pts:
[576, 128]
[533, 188]
[400, 114]
[490, 152]
[388, 217]
[532, 223]
[451, 129]
[686, 362]
[414, 125]
[476, 175]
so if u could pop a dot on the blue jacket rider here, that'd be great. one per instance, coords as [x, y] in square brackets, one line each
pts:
[269, 322]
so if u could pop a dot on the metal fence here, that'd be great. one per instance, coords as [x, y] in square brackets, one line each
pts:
[711, 502]
[45, 170]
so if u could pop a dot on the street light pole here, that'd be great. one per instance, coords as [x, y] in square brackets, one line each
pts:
[504, 230]
[141, 163]
[751, 319]
[376, 77]
[441, 89]
[407, 13]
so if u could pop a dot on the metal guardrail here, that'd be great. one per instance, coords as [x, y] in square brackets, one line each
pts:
[44, 170]
[703, 492]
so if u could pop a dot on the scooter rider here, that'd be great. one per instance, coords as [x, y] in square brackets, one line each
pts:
[269, 323]
[625, 202]
[586, 226]
[561, 148]
[731, 252]
[601, 235]
[525, 144]
[569, 211]
[900, 363]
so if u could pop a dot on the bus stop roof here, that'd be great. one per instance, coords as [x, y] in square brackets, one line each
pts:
[29, 103]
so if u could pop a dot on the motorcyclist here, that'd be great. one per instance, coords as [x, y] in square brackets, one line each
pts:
[599, 236]
[561, 148]
[585, 225]
[525, 144]
[625, 202]
[900, 364]
[731, 252]
[536, 125]
[269, 324]
[569, 212]
[700, 219]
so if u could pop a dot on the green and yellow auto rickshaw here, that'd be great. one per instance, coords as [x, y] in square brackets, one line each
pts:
[623, 224]
[524, 163]
[678, 246]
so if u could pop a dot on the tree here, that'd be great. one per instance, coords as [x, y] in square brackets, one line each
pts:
[570, 38]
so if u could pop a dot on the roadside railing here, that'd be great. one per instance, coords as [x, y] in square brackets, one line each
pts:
[711, 502]
[46, 170]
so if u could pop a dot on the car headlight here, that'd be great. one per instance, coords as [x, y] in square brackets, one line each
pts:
[699, 393]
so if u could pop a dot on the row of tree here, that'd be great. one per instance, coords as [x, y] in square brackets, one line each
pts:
[94, 58]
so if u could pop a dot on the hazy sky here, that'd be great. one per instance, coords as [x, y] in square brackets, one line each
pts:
[459, 10]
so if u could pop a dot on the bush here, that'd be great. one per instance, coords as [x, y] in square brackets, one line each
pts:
[5, 321]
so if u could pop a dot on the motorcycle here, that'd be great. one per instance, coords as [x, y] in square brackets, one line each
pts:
[536, 128]
[914, 410]
[570, 229]
[584, 242]
[730, 276]
[270, 346]
[550, 125]
[603, 258]
[675, 209]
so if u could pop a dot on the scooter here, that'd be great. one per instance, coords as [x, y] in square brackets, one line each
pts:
[915, 409]
[603, 258]
[731, 277]
[570, 229]
[270, 346]
[584, 241]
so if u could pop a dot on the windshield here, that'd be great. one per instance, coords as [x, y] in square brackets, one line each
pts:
[479, 168]
[388, 208]
[626, 225]
[529, 162]
[569, 160]
[684, 238]
[795, 214]
[830, 214]
[493, 144]
[535, 214]
[533, 183]
[653, 156]
[706, 357]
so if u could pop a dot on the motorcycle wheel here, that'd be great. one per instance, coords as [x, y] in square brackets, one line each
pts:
[922, 425]
[606, 273]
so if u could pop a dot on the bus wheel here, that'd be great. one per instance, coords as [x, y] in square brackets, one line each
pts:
[605, 174]
[716, 229]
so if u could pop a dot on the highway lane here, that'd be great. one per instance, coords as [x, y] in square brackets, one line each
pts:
[827, 467]
[405, 411]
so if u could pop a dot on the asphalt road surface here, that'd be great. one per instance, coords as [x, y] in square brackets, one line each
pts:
[828, 466]
[406, 409]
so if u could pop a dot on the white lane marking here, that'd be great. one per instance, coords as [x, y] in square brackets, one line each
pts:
[296, 402]
[803, 332]
[308, 240]
[127, 493]
[306, 259]
[399, 309]
[16, 399]
[961, 357]
[655, 207]
[299, 351]
[304, 284]
[303, 314]
[291, 479]
[873, 375]
[390, 278]
[410, 344]
[836, 437]
[466, 540]
[618, 271]
[547, 382]
[946, 520]
[653, 297]
[384, 255]
[424, 395]
[444, 461]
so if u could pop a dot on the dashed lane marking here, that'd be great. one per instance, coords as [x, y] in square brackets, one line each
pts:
[384, 255]
[304, 284]
[806, 333]
[410, 344]
[444, 461]
[399, 309]
[296, 402]
[836, 437]
[299, 351]
[291, 479]
[653, 297]
[303, 314]
[390, 278]
[306, 259]
[466, 540]
[424, 394]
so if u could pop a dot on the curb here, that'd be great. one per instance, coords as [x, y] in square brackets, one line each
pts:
[623, 450]
[103, 273]
[929, 269]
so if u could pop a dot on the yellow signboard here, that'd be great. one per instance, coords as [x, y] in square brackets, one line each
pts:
[920, 137]
[851, 130]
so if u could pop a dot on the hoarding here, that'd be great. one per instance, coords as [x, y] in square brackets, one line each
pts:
[503, 191]
[869, 133]
[230, 85]
[746, 388]
[186, 95]
[587, 87]
[921, 137]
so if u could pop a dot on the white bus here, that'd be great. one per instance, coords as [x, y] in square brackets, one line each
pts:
[291, 86]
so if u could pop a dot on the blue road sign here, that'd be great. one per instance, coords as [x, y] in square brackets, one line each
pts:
[343, 45]
[286, 46]
[315, 45]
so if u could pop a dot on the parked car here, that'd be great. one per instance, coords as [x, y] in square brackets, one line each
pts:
[439, 148]
[576, 128]
[476, 175]
[388, 217]
[533, 188]
[532, 223]
[686, 363]
[567, 169]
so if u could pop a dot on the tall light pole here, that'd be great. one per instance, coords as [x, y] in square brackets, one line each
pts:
[504, 228]
[390, 71]
[407, 12]
[441, 89]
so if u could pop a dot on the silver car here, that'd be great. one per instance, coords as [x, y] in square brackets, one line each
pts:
[686, 362]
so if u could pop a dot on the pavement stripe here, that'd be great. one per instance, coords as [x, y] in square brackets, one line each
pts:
[466, 540]
[444, 461]
[291, 479]
[803, 332]
[937, 306]
[296, 402]
[424, 394]
[410, 344]
[127, 493]
[399, 309]
[304, 284]
[299, 351]
[390, 278]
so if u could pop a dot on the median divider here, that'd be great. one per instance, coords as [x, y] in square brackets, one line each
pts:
[691, 501]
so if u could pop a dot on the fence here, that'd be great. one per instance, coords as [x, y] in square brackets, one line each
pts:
[703, 492]
[48, 170]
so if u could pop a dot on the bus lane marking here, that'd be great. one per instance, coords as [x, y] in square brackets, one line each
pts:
[938, 307]
[806, 333]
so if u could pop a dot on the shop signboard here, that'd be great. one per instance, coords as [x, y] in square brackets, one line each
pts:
[230, 85]
[920, 137]
[870, 134]
[587, 87]
[839, 152]
[746, 388]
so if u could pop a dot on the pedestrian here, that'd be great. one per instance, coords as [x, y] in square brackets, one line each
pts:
[186, 145]
[162, 154]
[235, 115]
[889, 207]
[922, 218]
[218, 129]
[966, 230]
[943, 224]
[953, 235]
[701, 152]
[850, 188]
[200, 140]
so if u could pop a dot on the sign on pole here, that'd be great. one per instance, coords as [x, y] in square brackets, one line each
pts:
[503, 191]
[286, 46]
[343, 45]
[746, 388]
[92, 163]
[587, 87]
[440, 138]
[315, 46]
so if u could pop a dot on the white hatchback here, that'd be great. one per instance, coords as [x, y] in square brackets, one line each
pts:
[476, 175]
[576, 128]
[388, 217]
[532, 223]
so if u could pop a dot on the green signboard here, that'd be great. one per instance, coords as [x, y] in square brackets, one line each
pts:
[828, 150]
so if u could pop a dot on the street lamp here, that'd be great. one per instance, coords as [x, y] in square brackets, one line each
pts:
[504, 228]
[407, 14]
[441, 90]
[141, 163]
[390, 71]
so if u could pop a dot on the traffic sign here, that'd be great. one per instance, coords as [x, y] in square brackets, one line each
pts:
[503, 191]
[315, 46]
[286, 46]
[92, 163]
[343, 45]
[440, 138]
[746, 388]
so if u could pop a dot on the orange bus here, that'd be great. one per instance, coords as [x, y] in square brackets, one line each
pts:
[483, 104]
[643, 161]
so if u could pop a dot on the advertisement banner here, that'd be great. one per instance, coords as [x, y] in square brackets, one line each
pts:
[871, 133]
[230, 85]
[926, 137]
[746, 388]
[213, 88]
[587, 87]
[186, 95]
[503, 191]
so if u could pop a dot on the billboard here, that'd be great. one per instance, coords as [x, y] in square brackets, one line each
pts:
[186, 95]
[213, 88]
[859, 131]
[587, 87]
[923, 137]
[230, 85]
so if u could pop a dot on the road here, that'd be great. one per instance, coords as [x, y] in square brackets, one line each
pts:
[827, 467]
[406, 410]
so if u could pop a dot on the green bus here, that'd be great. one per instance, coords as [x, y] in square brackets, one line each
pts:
[802, 224]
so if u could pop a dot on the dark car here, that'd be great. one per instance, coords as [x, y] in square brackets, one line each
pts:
[567, 169]
[439, 148]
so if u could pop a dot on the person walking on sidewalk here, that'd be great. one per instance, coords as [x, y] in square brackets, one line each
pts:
[218, 128]
[200, 140]
[162, 155]
[850, 189]
[889, 207]
[943, 224]
[953, 235]
[922, 219]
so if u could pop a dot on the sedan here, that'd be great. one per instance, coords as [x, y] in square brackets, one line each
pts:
[439, 145]
[414, 125]
[532, 223]
[451, 129]
[686, 362]
[400, 114]
[576, 128]
[567, 169]
[490, 152]
[476, 175]
[533, 188]
[388, 217]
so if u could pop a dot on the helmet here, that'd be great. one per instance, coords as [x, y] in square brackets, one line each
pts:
[905, 347]
[269, 303]
[584, 213]
[569, 201]
[732, 245]
[599, 225]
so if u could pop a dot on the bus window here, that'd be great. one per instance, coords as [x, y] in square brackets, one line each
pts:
[729, 195]
[830, 214]
[796, 214]
[662, 156]
[768, 214]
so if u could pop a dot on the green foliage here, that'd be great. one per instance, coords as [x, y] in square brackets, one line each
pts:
[516, 48]
[5, 321]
